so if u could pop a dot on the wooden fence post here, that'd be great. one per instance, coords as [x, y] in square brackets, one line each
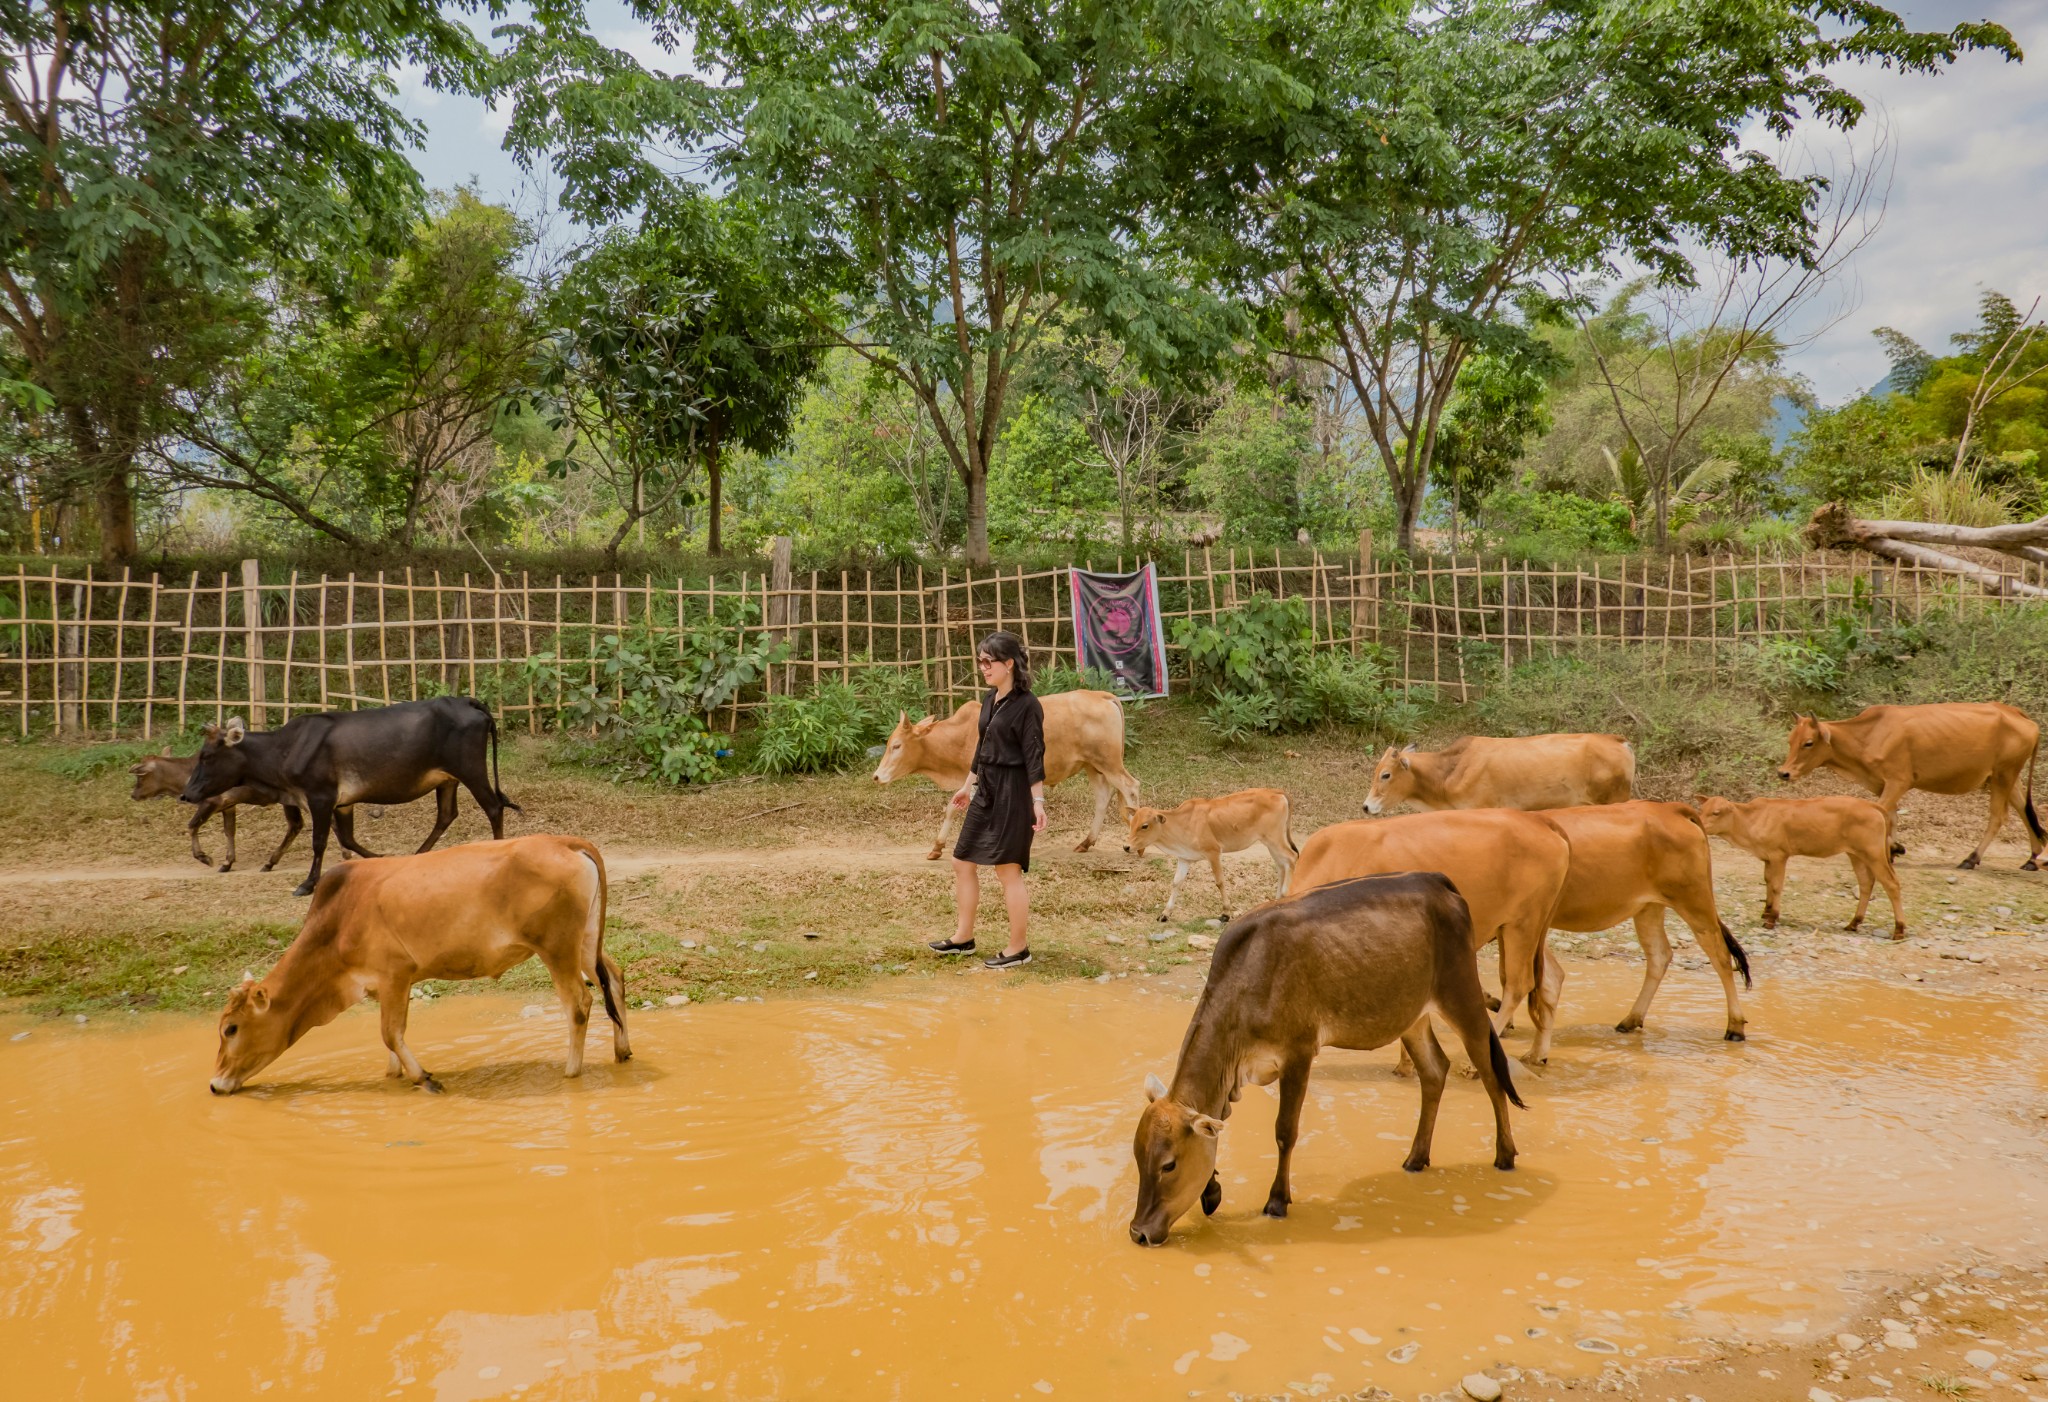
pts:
[70, 676]
[779, 551]
[252, 648]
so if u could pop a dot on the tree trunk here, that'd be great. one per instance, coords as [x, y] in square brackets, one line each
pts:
[1408, 503]
[117, 515]
[715, 484]
[977, 515]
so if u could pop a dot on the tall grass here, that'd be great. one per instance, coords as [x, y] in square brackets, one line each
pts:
[1949, 498]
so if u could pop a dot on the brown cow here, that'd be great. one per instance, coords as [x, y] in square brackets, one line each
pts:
[1354, 964]
[1083, 730]
[1630, 861]
[165, 775]
[1527, 772]
[1203, 829]
[1773, 829]
[378, 927]
[1510, 867]
[1956, 747]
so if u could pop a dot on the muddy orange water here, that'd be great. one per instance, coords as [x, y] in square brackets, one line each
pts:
[927, 1195]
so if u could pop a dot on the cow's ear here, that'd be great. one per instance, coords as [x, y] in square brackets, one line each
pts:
[1205, 1126]
[1409, 748]
[234, 732]
[259, 998]
[922, 726]
[209, 731]
[1154, 1087]
[164, 753]
[1405, 764]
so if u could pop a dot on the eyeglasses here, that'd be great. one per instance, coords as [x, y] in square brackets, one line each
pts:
[988, 662]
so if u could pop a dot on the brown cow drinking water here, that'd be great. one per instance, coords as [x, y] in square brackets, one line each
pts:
[1958, 747]
[378, 927]
[1355, 964]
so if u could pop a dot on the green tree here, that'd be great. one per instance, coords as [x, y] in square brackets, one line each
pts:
[1431, 168]
[942, 182]
[1498, 408]
[155, 157]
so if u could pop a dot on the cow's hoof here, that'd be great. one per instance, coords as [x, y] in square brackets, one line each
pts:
[2030, 865]
[1212, 1196]
[430, 1085]
[304, 888]
[1492, 1003]
[1084, 844]
[229, 866]
[1968, 863]
[271, 867]
[1898, 849]
[1734, 1034]
[202, 859]
[1899, 933]
[1852, 926]
[935, 854]
[1276, 1207]
[1415, 1163]
[1628, 1026]
[622, 1055]
[1769, 922]
[1504, 1162]
[1533, 1061]
[1162, 920]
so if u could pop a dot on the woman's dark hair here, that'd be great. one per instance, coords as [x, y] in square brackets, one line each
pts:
[1008, 647]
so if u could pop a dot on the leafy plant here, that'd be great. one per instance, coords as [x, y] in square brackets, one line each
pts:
[1239, 716]
[1059, 677]
[1826, 658]
[1258, 647]
[834, 725]
[1957, 497]
[1258, 669]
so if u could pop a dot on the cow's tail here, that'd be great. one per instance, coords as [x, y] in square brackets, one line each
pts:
[1738, 954]
[604, 977]
[2033, 821]
[491, 724]
[1497, 1056]
[1287, 824]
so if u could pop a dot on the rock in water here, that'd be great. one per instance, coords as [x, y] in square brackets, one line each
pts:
[1480, 1388]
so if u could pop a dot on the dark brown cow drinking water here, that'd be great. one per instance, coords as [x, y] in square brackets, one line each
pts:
[328, 763]
[376, 928]
[1354, 964]
[165, 775]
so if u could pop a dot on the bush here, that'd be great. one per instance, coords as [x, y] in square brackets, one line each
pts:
[1058, 677]
[833, 727]
[1258, 670]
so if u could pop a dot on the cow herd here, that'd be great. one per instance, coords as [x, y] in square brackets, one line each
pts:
[1373, 932]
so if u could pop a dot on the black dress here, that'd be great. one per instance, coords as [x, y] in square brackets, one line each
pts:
[1009, 759]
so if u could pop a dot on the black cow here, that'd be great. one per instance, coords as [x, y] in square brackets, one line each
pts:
[330, 762]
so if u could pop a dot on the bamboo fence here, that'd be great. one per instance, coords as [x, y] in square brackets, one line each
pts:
[129, 654]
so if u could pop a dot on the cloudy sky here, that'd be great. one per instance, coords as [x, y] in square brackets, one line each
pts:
[1968, 208]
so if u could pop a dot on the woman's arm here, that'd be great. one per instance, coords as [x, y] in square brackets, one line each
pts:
[1032, 742]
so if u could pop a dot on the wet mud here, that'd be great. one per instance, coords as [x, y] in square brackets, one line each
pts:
[927, 1195]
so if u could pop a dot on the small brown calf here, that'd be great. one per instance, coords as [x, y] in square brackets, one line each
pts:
[1203, 829]
[165, 775]
[1774, 829]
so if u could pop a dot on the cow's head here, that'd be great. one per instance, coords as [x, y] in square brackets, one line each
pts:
[253, 1033]
[1145, 825]
[1717, 815]
[905, 743]
[221, 762]
[1176, 1152]
[157, 775]
[1393, 782]
[1807, 749]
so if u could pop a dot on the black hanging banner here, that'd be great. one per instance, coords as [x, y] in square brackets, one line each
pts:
[1116, 629]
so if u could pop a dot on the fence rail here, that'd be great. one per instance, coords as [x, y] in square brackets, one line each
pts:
[131, 654]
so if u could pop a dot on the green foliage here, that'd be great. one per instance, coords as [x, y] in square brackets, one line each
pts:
[1956, 497]
[1559, 523]
[1857, 453]
[1257, 669]
[833, 727]
[1058, 677]
[1253, 464]
[644, 696]
[1048, 483]
[1829, 659]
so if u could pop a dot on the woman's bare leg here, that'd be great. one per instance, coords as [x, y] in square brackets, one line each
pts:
[967, 896]
[1018, 899]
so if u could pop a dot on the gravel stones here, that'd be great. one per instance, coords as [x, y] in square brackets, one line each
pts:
[1480, 1388]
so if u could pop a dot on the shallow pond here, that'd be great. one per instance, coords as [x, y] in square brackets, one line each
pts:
[927, 1195]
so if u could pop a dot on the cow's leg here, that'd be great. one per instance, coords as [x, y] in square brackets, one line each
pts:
[614, 979]
[945, 830]
[1656, 961]
[292, 823]
[1711, 936]
[1283, 861]
[345, 832]
[575, 996]
[1216, 868]
[1774, 887]
[1180, 874]
[1432, 1069]
[1523, 969]
[1293, 1090]
[1865, 879]
[1468, 1020]
[394, 1001]
[200, 813]
[444, 814]
[227, 832]
[1888, 798]
[1994, 819]
[1099, 789]
[322, 806]
[1887, 875]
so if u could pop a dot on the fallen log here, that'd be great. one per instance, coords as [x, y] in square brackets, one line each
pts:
[1912, 542]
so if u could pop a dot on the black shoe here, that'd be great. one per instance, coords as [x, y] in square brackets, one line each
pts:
[948, 947]
[1008, 961]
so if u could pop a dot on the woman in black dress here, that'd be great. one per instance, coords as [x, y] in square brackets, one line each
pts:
[1004, 797]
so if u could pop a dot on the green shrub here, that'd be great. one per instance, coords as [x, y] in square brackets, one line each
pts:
[1058, 677]
[1257, 669]
[1239, 716]
[833, 727]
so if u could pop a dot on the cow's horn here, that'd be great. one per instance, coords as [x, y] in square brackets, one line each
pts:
[1409, 748]
[248, 977]
[1154, 1087]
